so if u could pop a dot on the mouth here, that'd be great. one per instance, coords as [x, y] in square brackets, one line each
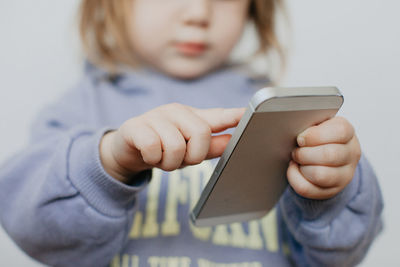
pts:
[191, 49]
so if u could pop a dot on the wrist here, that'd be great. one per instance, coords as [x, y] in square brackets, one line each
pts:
[320, 212]
[87, 175]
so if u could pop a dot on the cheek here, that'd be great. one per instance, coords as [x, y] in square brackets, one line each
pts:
[149, 26]
[228, 29]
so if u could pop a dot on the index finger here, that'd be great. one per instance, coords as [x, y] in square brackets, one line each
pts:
[220, 119]
[333, 131]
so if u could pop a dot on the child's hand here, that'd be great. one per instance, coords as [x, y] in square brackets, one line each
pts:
[326, 159]
[168, 137]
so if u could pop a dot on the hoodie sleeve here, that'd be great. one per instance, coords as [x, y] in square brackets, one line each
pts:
[337, 231]
[56, 201]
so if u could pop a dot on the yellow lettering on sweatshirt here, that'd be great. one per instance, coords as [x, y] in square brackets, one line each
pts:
[150, 228]
[156, 261]
[195, 175]
[270, 231]
[185, 186]
[177, 194]
[240, 239]
[136, 226]
[127, 261]
[221, 236]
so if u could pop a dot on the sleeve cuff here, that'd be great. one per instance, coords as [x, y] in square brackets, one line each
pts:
[317, 212]
[97, 187]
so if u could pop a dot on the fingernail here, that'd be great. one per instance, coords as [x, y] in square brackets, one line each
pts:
[301, 141]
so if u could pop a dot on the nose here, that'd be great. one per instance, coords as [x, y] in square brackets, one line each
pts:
[197, 13]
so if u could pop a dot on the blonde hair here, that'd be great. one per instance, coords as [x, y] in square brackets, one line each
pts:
[104, 31]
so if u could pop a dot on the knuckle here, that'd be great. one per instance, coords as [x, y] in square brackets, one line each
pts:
[169, 167]
[223, 115]
[219, 110]
[128, 125]
[150, 144]
[176, 106]
[341, 131]
[341, 120]
[125, 131]
[311, 132]
[317, 174]
[323, 177]
[344, 129]
[203, 130]
[177, 148]
[193, 160]
[150, 162]
[166, 109]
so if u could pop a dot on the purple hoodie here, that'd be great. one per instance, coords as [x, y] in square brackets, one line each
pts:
[60, 206]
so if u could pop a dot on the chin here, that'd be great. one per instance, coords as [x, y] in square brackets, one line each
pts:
[185, 70]
[187, 73]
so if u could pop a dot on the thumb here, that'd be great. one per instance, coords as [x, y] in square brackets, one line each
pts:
[220, 119]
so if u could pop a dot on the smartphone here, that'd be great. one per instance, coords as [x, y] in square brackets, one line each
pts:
[250, 176]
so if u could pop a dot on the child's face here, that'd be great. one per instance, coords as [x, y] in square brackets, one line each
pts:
[186, 38]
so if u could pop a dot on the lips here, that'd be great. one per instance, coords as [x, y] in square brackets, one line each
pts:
[191, 48]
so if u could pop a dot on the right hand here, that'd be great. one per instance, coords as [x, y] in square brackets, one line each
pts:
[168, 137]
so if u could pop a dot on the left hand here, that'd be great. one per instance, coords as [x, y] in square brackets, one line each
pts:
[326, 159]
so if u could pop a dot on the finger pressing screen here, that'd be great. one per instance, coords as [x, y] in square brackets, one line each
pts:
[220, 119]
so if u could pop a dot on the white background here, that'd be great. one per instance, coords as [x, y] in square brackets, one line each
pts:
[354, 45]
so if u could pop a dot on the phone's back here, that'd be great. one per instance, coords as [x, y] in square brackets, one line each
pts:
[250, 176]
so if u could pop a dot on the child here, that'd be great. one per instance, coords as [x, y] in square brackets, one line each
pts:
[102, 180]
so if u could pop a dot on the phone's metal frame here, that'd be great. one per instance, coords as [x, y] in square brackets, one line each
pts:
[270, 99]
